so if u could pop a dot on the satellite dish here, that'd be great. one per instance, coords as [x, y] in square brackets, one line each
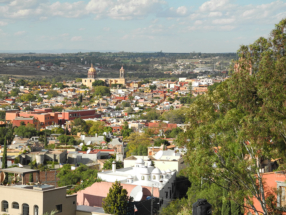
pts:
[88, 151]
[20, 165]
[158, 155]
[88, 143]
[81, 144]
[137, 193]
[2, 177]
[13, 142]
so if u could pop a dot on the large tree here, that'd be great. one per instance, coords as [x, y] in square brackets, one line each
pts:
[241, 123]
[117, 200]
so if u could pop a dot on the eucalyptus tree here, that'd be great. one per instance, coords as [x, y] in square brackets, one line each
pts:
[242, 123]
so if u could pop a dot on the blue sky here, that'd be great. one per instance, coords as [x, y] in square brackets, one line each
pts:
[136, 25]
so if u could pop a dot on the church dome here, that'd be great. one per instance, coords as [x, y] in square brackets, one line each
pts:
[156, 171]
[91, 70]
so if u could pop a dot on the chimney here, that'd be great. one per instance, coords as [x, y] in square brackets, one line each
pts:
[113, 166]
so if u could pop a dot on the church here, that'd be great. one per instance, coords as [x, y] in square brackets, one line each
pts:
[91, 77]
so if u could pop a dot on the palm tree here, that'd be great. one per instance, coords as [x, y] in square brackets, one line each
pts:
[51, 213]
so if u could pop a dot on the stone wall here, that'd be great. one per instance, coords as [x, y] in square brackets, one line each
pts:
[46, 177]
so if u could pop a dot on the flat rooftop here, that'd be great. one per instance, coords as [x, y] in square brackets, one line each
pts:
[18, 170]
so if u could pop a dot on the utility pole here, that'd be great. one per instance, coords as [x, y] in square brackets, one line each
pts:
[152, 201]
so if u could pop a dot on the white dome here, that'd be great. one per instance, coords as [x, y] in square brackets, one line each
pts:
[168, 171]
[156, 171]
[163, 172]
[144, 171]
[140, 161]
[130, 177]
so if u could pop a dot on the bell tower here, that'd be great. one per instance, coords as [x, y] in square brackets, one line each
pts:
[122, 71]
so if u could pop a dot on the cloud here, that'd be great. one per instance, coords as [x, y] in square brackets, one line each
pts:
[81, 29]
[215, 14]
[223, 21]
[19, 33]
[3, 23]
[106, 29]
[218, 12]
[77, 38]
[182, 10]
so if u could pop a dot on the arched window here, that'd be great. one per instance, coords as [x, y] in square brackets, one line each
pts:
[25, 209]
[154, 177]
[15, 205]
[142, 177]
[36, 210]
[5, 206]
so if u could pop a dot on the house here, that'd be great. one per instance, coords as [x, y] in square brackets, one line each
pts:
[36, 200]
[173, 162]
[144, 177]
[274, 184]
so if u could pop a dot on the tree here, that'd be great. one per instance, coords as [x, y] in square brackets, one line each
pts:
[4, 157]
[242, 122]
[98, 83]
[78, 80]
[25, 131]
[45, 140]
[79, 125]
[135, 140]
[151, 115]
[52, 93]
[126, 131]
[67, 139]
[125, 104]
[153, 87]
[177, 116]
[159, 142]
[117, 200]
[80, 98]
[57, 130]
[28, 97]
[101, 91]
[40, 99]
[14, 92]
[95, 127]
[2, 115]
[108, 164]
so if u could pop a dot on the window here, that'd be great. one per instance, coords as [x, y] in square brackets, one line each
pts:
[25, 209]
[142, 177]
[5, 206]
[36, 210]
[166, 194]
[154, 177]
[15, 205]
[282, 196]
[59, 208]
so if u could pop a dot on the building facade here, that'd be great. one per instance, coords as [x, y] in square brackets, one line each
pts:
[36, 200]
[91, 77]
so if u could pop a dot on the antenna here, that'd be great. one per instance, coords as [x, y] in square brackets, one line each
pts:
[137, 193]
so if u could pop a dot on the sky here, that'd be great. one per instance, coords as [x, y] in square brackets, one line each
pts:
[213, 26]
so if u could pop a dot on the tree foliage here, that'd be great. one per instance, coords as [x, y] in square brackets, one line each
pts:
[241, 123]
[25, 131]
[98, 83]
[108, 164]
[135, 140]
[117, 200]
[101, 91]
